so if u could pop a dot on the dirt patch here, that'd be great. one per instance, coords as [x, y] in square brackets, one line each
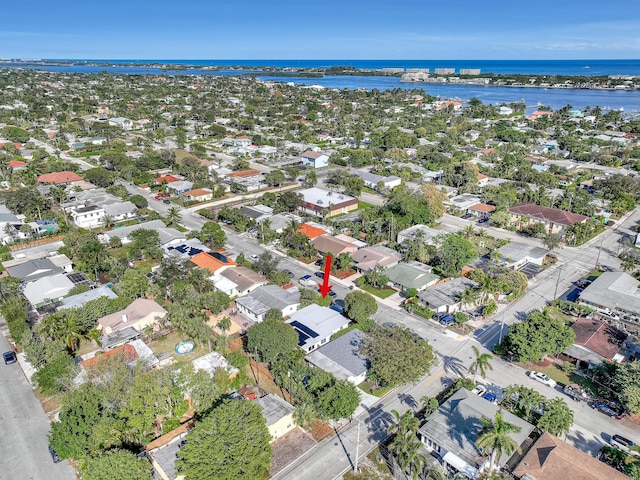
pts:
[264, 380]
[320, 431]
[288, 448]
[634, 417]
[369, 469]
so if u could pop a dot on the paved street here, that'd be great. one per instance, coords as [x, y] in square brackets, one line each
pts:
[23, 442]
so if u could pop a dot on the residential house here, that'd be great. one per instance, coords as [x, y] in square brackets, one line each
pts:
[121, 122]
[404, 276]
[120, 211]
[30, 270]
[127, 354]
[426, 234]
[516, 254]
[451, 432]
[553, 459]
[166, 179]
[59, 178]
[198, 195]
[314, 159]
[613, 292]
[48, 289]
[445, 296]
[179, 187]
[243, 141]
[163, 452]
[463, 202]
[17, 165]
[213, 361]
[323, 203]
[278, 413]
[481, 210]
[554, 220]
[139, 314]
[258, 213]
[345, 237]
[212, 261]
[315, 325]
[168, 235]
[249, 180]
[238, 281]
[280, 221]
[341, 357]
[311, 231]
[331, 245]
[81, 299]
[187, 249]
[596, 341]
[256, 304]
[87, 216]
[372, 180]
[368, 258]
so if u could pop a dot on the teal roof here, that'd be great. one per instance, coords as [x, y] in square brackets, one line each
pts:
[409, 277]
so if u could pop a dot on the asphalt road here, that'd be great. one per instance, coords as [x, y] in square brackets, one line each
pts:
[23, 441]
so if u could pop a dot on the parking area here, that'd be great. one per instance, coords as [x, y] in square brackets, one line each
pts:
[530, 270]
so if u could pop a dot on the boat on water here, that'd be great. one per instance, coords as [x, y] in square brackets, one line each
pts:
[586, 66]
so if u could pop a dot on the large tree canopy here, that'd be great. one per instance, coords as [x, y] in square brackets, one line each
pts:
[116, 465]
[539, 335]
[396, 356]
[271, 338]
[232, 442]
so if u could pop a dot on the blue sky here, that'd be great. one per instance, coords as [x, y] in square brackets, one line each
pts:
[371, 29]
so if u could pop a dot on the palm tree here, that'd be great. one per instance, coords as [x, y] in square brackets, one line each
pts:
[481, 363]
[494, 438]
[224, 324]
[467, 297]
[406, 445]
[468, 231]
[108, 221]
[173, 215]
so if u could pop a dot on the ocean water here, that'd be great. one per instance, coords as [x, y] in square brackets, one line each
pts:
[629, 101]
[540, 67]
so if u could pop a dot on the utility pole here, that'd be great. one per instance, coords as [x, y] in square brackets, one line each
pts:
[501, 327]
[599, 250]
[355, 465]
[555, 294]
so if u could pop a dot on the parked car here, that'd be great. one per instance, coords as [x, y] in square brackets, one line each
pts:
[319, 262]
[252, 229]
[158, 197]
[483, 220]
[389, 324]
[439, 316]
[611, 315]
[307, 280]
[543, 378]
[332, 293]
[466, 216]
[319, 275]
[490, 397]
[606, 409]
[9, 358]
[54, 455]
[166, 201]
[290, 273]
[583, 283]
[253, 257]
[479, 390]
[623, 444]
[447, 321]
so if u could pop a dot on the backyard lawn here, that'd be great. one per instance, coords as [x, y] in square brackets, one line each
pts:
[380, 293]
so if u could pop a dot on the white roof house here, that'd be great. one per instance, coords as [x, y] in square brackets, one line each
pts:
[342, 358]
[212, 361]
[48, 288]
[315, 325]
[256, 304]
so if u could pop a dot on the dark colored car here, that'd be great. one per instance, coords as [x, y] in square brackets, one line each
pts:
[166, 201]
[290, 273]
[490, 397]
[9, 357]
[439, 316]
[319, 275]
[483, 220]
[467, 216]
[320, 262]
[602, 408]
[447, 321]
[54, 455]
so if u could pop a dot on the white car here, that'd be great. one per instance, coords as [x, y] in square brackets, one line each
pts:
[479, 390]
[543, 378]
[253, 257]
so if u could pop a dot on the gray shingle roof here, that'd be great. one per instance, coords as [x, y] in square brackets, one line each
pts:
[34, 269]
[613, 290]
[445, 293]
[341, 356]
[456, 425]
[274, 408]
[409, 277]
[267, 297]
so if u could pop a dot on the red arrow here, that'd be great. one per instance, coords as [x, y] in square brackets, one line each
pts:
[325, 287]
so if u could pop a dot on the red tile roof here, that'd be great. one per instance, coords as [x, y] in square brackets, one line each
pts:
[126, 352]
[545, 213]
[59, 177]
[310, 231]
[482, 207]
[198, 192]
[16, 163]
[166, 178]
[209, 262]
[244, 173]
[598, 336]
